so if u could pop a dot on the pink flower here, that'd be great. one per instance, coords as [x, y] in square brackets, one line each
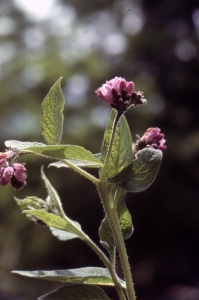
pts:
[11, 171]
[20, 172]
[5, 155]
[151, 138]
[120, 94]
[6, 175]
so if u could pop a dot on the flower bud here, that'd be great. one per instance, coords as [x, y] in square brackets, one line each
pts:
[151, 138]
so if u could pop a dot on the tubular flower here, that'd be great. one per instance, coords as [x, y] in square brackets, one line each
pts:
[10, 171]
[120, 94]
[151, 138]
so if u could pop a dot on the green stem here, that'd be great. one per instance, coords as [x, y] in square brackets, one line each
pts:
[80, 171]
[112, 216]
[107, 263]
[104, 259]
[114, 223]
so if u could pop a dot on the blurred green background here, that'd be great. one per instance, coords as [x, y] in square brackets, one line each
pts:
[156, 45]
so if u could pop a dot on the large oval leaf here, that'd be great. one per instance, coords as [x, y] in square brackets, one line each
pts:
[88, 275]
[140, 174]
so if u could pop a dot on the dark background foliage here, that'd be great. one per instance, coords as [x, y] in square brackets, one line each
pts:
[153, 43]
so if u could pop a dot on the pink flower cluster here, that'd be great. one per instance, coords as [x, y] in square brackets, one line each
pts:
[151, 138]
[120, 94]
[11, 171]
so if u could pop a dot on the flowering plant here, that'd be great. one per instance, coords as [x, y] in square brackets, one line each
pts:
[123, 167]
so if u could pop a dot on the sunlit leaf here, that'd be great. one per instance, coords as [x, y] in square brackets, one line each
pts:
[13, 144]
[121, 153]
[76, 292]
[56, 221]
[52, 114]
[65, 152]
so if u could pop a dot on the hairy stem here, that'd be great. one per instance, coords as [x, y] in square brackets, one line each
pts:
[106, 262]
[114, 223]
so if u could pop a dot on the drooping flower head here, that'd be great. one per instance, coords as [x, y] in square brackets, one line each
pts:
[151, 138]
[120, 94]
[11, 171]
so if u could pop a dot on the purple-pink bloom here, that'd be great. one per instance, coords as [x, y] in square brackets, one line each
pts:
[151, 138]
[20, 172]
[120, 94]
[6, 155]
[11, 171]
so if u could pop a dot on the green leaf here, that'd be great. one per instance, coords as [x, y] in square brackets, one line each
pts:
[13, 144]
[121, 153]
[76, 292]
[56, 221]
[64, 152]
[141, 173]
[78, 163]
[53, 200]
[64, 235]
[124, 218]
[52, 114]
[88, 275]
[106, 236]
[32, 202]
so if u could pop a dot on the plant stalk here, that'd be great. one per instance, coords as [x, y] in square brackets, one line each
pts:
[112, 216]
[114, 223]
[106, 262]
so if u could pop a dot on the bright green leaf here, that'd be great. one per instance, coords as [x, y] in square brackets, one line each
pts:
[65, 152]
[76, 292]
[56, 221]
[121, 153]
[52, 114]
[142, 173]
[88, 275]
